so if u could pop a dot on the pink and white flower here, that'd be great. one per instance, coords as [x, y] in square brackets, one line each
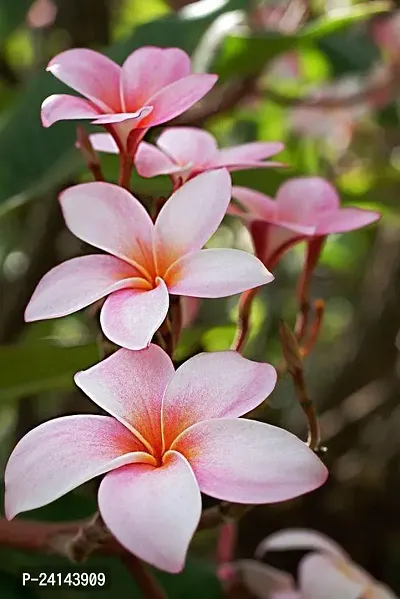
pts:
[326, 573]
[170, 435]
[184, 152]
[305, 208]
[145, 261]
[154, 85]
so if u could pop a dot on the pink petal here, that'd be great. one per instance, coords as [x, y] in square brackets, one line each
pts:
[248, 153]
[216, 273]
[304, 200]
[134, 118]
[149, 69]
[177, 97]
[346, 219]
[131, 317]
[191, 215]
[319, 578]
[157, 511]
[150, 161]
[79, 282]
[130, 386]
[110, 218]
[214, 385]
[249, 462]
[61, 454]
[61, 107]
[190, 307]
[91, 74]
[188, 145]
[104, 142]
[256, 203]
[299, 538]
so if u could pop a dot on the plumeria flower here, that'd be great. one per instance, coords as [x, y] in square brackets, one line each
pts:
[145, 261]
[305, 208]
[170, 435]
[326, 573]
[153, 86]
[184, 152]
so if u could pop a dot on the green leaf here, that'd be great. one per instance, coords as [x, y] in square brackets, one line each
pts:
[34, 159]
[12, 14]
[35, 368]
[247, 54]
[338, 19]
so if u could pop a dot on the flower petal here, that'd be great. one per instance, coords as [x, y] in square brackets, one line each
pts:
[214, 385]
[191, 215]
[79, 282]
[299, 538]
[256, 203]
[216, 273]
[61, 454]
[150, 161]
[110, 218]
[157, 511]
[248, 153]
[104, 142]
[130, 386]
[149, 69]
[188, 145]
[91, 74]
[61, 107]
[131, 317]
[249, 462]
[346, 219]
[319, 578]
[304, 200]
[177, 97]
[135, 118]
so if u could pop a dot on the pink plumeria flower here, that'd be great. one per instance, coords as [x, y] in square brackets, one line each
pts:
[327, 573]
[184, 152]
[171, 435]
[305, 208]
[148, 261]
[153, 86]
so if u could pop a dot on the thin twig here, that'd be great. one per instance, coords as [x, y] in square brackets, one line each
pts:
[243, 320]
[89, 154]
[319, 308]
[291, 352]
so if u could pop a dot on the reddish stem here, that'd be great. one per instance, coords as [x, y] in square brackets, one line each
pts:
[243, 321]
[319, 307]
[143, 578]
[314, 248]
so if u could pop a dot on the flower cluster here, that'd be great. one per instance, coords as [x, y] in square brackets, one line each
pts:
[170, 435]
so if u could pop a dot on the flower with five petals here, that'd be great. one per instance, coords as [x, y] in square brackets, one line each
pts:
[148, 261]
[154, 85]
[170, 436]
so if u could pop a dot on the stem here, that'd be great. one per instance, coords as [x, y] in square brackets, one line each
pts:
[319, 307]
[291, 352]
[144, 578]
[314, 249]
[243, 321]
[126, 166]
[88, 538]
[89, 154]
